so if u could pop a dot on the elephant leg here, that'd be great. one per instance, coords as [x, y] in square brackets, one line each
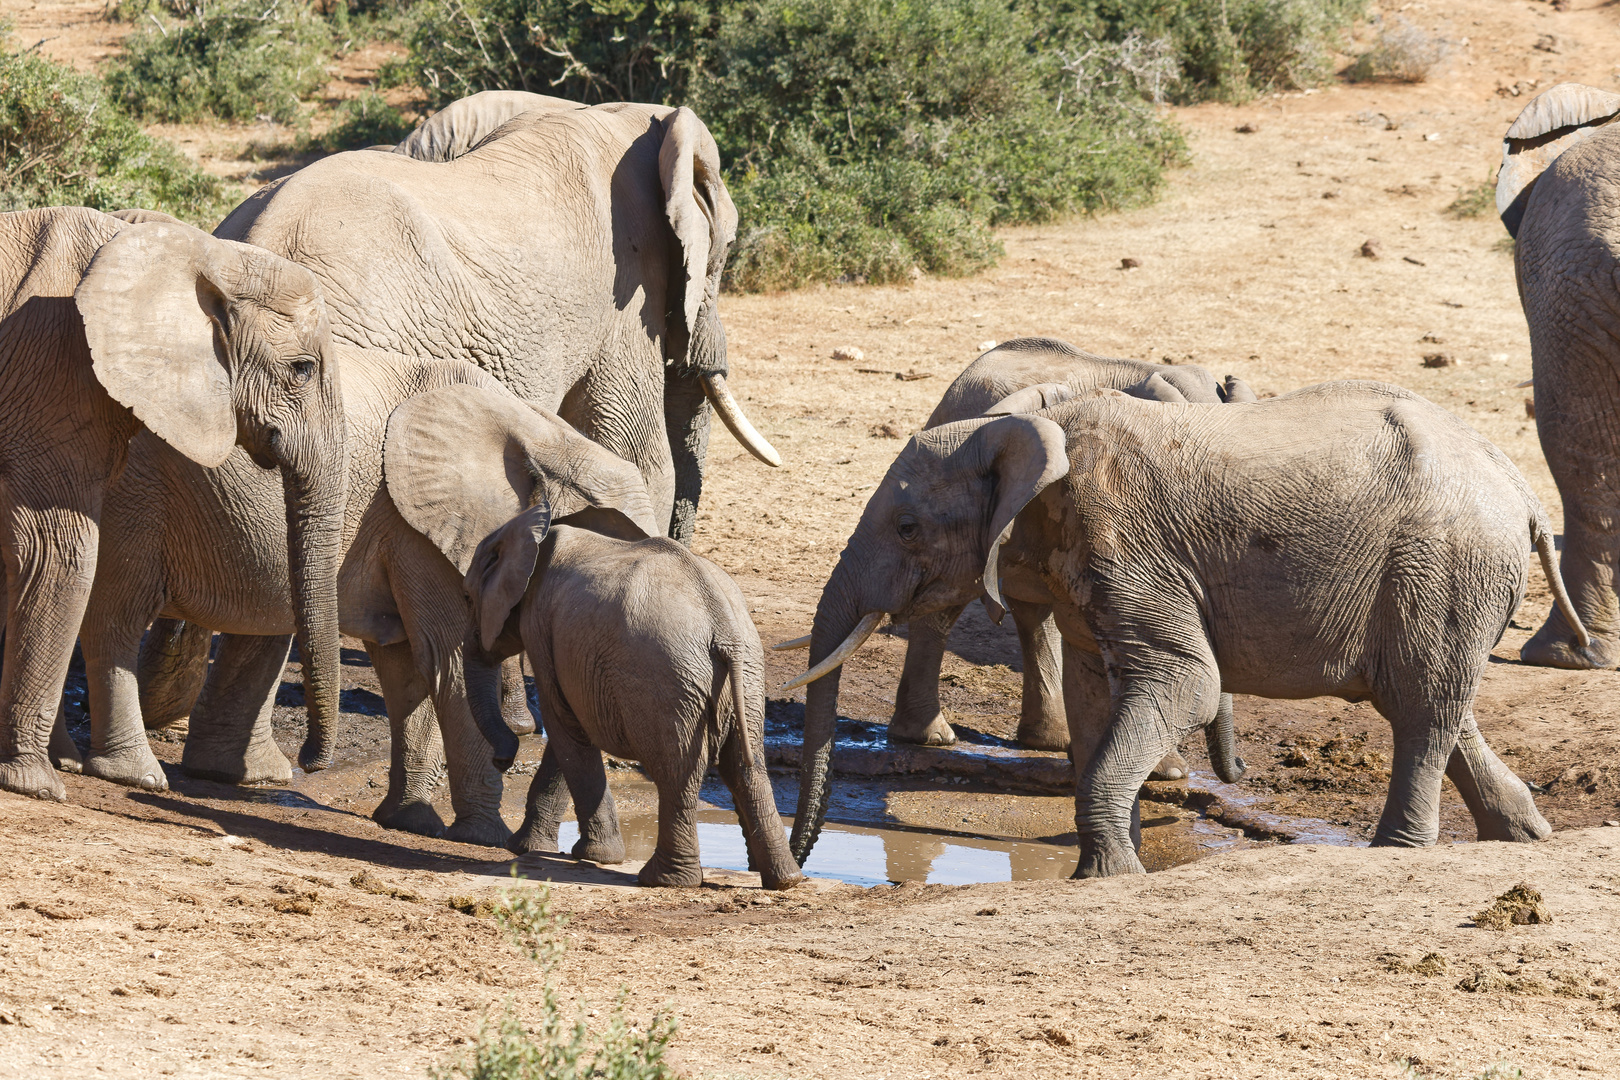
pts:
[172, 668]
[917, 716]
[475, 783]
[231, 739]
[1148, 718]
[1426, 736]
[415, 754]
[751, 793]
[64, 752]
[111, 640]
[1042, 722]
[675, 863]
[1085, 686]
[548, 803]
[686, 419]
[1499, 801]
[580, 764]
[50, 564]
[515, 697]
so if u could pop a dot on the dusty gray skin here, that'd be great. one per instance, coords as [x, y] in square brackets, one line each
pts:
[112, 323]
[1559, 194]
[438, 456]
[586, 608]
[1348, 539]
[1025, 375]
[466, 122]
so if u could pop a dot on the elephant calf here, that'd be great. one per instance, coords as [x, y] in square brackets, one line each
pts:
[1349, 539]
[633, 645]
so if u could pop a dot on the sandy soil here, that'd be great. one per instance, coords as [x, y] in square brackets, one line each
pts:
[130, 923]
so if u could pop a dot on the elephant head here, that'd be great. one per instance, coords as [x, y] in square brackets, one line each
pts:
[462, 461]
[214, 344]
[929, 539]
[1552, 123]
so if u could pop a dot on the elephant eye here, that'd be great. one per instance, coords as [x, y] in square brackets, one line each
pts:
[303, 370]
[908, 528]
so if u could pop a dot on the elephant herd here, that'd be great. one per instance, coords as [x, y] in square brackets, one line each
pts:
[452, 398]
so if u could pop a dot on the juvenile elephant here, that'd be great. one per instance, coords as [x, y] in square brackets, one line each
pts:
[633, 646]
[1349, 539]
[111, 323]
[439, 454]
[1558, 192]
[1025, 375]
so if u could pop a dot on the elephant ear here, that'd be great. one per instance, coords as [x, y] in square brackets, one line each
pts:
[698, 206]
[154, 302]
[460, 461]
[501, 569]
[1155, 388]
[460, 126]
[1031, 399]
[1023, 455]
[1552, 123]
[1238, 392]
[137, 216]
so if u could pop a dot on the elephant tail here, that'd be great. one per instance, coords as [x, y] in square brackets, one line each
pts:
[730, 654]
[1541, 534]
[1222, 742]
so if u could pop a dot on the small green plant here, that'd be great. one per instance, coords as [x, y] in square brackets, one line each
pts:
[367, 120]
[554, 1048]
[1476, 201]
[231, 59]
[62, 142]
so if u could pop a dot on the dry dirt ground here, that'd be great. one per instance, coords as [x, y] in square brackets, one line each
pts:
[216, 931]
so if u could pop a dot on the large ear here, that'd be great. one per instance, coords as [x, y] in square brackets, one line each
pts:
[461, 460]
[1024, 454]
[1238, 392]
[154, 305]
[1552, 123]
[502, 566]
[1031, 399]
[1156, 388]
[697, 203]
[464, 123]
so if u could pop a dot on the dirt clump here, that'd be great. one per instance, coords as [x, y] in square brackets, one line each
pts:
[1519, 906]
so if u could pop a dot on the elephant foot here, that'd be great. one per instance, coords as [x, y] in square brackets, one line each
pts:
[262, 763]
[780, 879]
[515, 711]
[1172, 767]
[1108, 858]
[666, 873]
[1043, 734]
[63, 754]
[33, 777]
[604, 851]
[534, 835]
[312, 757]
[922, 730]
[1554, 646]
[136, 767]
[412, 817]
[486, 830]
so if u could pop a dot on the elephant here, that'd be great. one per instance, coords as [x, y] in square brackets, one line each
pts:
[1024, 375]
[438, 455]
[1348, 539]
[466, 122]
[137, 326]
[1558, 193]
[633, 643]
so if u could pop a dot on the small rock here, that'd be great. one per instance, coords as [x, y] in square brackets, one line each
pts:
[1370, 248]
[1613, 824]
[1437, 360]
[1530, 414]
[1334, 194]
[1129, 264]
[988, 911]
[1433, 136]
[848, 352]
[1249, 128]
[986, 346]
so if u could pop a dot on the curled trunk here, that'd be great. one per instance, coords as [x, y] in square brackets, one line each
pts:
[1222, 743]
[482, 673]
[315, 498]
[836, 617]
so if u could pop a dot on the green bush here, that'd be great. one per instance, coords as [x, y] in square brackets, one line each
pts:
[554, 1048]
[367, 120]
[234, 60]
[1476, 201]
[62, 142]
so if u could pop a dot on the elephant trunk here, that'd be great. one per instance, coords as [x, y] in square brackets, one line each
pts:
[1221, 740]
[315, 496]
[838, 616]
[483, 678]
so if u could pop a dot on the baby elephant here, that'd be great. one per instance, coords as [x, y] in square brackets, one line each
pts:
[633, 645]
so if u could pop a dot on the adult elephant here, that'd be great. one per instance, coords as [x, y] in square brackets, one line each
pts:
[1348, 539]
[110, 325]
[439, 455]
[1024, 375]
[1558, 192]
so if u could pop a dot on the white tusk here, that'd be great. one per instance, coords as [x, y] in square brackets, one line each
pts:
[789, 646]
[857, 637]
[1521, 386]
[731, 415]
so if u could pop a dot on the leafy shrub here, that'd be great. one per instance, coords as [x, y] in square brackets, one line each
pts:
[233, 59]
[1403, 52]
[554, 1048]
[367, 120]
[62, 142]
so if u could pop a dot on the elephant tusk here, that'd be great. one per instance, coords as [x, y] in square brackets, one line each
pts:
[1521, 386]
[789, 646]
[731, 415]
[857, 637]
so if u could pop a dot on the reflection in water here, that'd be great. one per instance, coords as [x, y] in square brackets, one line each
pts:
[867, 856]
